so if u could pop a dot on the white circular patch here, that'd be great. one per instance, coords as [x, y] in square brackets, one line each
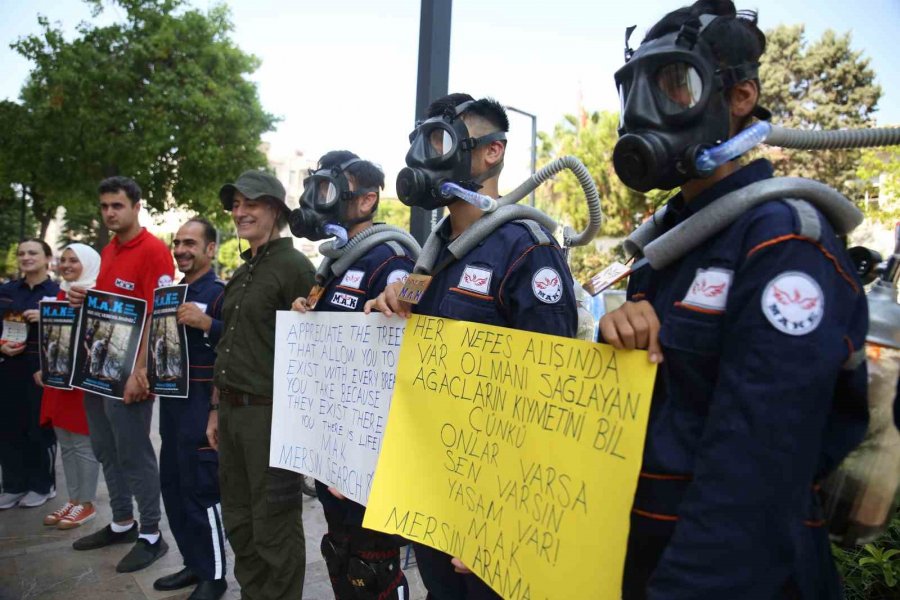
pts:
[397, 275]
[547, 285]
[793, 303]
[164, 281]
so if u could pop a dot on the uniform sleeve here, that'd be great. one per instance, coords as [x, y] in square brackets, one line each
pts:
[762, 444]
[396, 268]
[298, 284]
[537, 292]
[159, 272]
[215, 312]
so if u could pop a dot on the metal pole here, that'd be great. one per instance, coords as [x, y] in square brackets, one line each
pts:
[432, 82]
[533, 141]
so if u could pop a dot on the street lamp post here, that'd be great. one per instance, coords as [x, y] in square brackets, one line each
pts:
[533, 141]
[431, 83]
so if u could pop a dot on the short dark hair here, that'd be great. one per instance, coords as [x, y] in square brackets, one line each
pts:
[111, 185]
[48, 251]
[209, 230]
[335, 158]
[486, 108]
[734, 37]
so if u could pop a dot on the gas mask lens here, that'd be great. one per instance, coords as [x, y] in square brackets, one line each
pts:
[681, 83]
[326, 194]
[440, 144]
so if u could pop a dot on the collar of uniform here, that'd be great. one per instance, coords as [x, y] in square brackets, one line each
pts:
[23, 283]
[206, 276]
[678, 210]
[443, 230]
[133, 241]
[272, 246]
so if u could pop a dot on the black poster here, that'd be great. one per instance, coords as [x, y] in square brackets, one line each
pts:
[57, 327]
[167, 350]
[109, 336]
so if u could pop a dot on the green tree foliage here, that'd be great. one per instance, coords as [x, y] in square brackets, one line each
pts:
[229, 257]
[162, 97]
[879, 174]
[591, 139]
[823, 85]
[393, 212]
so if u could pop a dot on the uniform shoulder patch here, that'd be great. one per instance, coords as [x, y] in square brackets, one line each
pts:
[352, 279]
[397, 275]
[547, 285]
[476, 279]
[709, 289]
[793, 303]
[164, 281]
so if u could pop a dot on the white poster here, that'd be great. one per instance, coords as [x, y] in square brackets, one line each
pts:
[334, 377]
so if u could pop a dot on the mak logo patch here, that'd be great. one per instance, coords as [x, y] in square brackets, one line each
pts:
[397, 275]
[547, 285]
[709, 289]
[353, 279]
[344, 300]
[793, 303]
[476, 279]
[126, 285]
[164, 281]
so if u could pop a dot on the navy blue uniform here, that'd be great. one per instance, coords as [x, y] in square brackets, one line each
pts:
[517, 278]
[753, 405]
[27, 451]
[349, 292]
[188, 467]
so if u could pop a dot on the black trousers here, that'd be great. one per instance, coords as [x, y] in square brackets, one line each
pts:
[27, 450]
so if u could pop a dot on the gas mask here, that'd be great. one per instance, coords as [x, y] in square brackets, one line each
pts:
[673, 106]
[441, 151]
[323, 204]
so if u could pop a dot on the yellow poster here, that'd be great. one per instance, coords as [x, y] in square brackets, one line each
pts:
[517, 452]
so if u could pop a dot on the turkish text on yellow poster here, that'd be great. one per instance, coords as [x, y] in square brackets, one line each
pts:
[517, 452]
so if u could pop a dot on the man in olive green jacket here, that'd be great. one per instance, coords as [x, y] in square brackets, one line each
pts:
[261, 505]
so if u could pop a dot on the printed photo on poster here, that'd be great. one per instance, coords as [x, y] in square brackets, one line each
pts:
[57, 327]
[167, 349]
[109, 335]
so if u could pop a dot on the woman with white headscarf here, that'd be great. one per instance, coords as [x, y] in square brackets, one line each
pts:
[79, 266]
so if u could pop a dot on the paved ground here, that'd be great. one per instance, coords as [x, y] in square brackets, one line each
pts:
[38, 561]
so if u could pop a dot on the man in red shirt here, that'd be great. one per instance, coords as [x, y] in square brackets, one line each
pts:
[133, 264]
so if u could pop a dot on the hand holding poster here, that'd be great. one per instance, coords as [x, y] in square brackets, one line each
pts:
[167, 349]
[516, 452]
[109, 335]
[57, 328]
[333, 380]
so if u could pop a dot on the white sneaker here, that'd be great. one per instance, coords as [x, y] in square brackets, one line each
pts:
[10, 499]
[52, 493]
[33, 500]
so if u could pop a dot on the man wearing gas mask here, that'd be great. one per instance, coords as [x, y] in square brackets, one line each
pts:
[517, 277]
[340, 199]
[760, 391]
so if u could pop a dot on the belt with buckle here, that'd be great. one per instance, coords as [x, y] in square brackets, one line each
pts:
[236, 398]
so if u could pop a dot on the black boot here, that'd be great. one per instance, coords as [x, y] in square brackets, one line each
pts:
[176, 581]
[209, 590]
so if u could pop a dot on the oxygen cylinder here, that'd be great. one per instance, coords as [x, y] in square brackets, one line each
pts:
[861, 496]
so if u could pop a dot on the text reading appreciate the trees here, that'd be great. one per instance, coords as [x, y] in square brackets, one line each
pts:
[333, 380]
